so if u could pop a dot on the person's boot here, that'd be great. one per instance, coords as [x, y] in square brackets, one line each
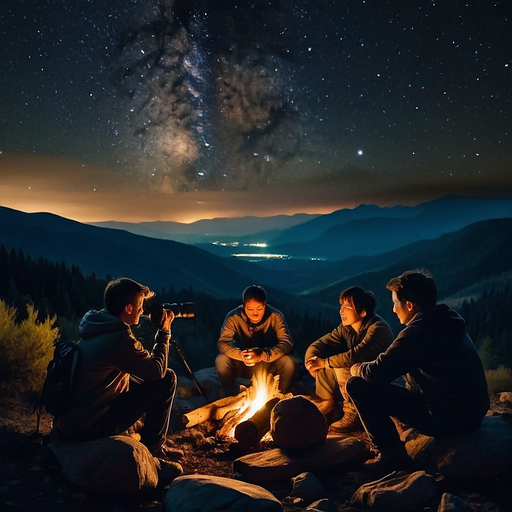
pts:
[390, 459]
[349, 422]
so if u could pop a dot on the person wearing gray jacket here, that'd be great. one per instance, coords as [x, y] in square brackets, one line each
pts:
[117, 380]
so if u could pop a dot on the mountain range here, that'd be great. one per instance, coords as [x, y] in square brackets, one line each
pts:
[466, 243]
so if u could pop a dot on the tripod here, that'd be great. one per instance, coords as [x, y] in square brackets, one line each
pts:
[175, 344]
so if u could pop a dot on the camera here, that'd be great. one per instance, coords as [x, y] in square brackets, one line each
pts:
[155, 311]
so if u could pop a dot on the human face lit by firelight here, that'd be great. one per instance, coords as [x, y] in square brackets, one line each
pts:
[134, 311]
[255, 310]
[350, 317]
[405, 311]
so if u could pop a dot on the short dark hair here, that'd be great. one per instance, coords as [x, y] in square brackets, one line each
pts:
[254, 292]
[416, 286]
[121, 292]
[360, 299]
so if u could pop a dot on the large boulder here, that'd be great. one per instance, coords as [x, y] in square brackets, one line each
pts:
[275, 465]
[297, 423]
[203, 493]
[396, 492]
[116, 464]
[486, 453]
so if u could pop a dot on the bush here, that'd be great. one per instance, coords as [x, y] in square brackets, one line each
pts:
[26, 347]
[499, 380]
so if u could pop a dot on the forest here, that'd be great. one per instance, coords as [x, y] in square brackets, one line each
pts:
[63, 293]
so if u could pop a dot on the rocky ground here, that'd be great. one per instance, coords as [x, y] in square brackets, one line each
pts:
[30, 480]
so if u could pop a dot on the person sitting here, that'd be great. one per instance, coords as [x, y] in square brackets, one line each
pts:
[445, 391]
[254, 337]
[118, 381]
[361, 336]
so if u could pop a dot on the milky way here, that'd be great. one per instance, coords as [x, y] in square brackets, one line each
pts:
[360, 97]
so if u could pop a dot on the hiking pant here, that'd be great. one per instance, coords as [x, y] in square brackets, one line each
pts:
[152, 398]
[378, 403]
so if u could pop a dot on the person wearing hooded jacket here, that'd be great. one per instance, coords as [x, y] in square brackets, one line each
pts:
[118, 381]
[254, 338]
[445, 393]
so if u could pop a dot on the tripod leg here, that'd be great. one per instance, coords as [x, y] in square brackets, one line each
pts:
[180, 353]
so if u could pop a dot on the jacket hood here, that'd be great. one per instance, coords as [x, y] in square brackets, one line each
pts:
[444, 318]
[97, 322]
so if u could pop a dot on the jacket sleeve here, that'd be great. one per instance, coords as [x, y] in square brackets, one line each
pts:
[284, 343]
[226, 341]
[136, 360]
[377, 339]
[402, 357]
[329, 344]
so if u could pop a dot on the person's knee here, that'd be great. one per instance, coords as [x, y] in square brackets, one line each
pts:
[221, 361]
[288, 365]
[170, 381]
[354, 386]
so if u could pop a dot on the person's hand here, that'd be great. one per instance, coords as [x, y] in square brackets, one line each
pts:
[315, 363]
[167, 318]
[251, 356]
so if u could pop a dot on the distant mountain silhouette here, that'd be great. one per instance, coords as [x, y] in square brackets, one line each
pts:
[362, 231]
[464, 264]
[112, 252]
[463, 261]
[206, 230]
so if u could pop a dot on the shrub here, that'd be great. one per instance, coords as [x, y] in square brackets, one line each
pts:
[499, 380]
[26, 347]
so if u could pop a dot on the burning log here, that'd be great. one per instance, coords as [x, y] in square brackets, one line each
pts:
[214, 410]
[250, 432]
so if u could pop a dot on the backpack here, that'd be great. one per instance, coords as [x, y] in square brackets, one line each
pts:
[58, 384]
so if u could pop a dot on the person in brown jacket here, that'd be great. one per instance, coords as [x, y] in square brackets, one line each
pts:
[254, 337]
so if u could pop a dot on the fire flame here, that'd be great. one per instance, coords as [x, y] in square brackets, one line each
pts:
[264, 387]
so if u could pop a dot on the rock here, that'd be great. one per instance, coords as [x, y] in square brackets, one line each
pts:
[324, 505]
[203, 493]
[486, 453]
[506, 397]
[278, 465]
[451, 503]
[396, 492]
[297, 423]
[116, 464]
[307, 486]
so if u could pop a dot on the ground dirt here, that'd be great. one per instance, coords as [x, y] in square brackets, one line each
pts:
[30, 480]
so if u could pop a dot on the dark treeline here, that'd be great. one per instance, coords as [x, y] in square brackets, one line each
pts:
[489, 322]
[58, 290]
[64, 292]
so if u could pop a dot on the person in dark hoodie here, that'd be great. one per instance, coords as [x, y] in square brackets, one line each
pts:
[254, 337]
[445, 393]
[118, 381]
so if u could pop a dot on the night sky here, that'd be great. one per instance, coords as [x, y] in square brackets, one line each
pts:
[188, 109]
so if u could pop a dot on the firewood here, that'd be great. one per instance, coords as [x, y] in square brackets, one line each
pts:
[213, 410]
[250, 432]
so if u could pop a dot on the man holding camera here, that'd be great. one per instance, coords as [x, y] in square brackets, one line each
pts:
[254, 337]
[118, 380]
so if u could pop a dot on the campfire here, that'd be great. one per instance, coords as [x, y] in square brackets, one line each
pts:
[244, 417]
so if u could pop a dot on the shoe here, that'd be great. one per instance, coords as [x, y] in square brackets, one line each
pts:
[390, 459]
[168, 453]
[349, 422]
